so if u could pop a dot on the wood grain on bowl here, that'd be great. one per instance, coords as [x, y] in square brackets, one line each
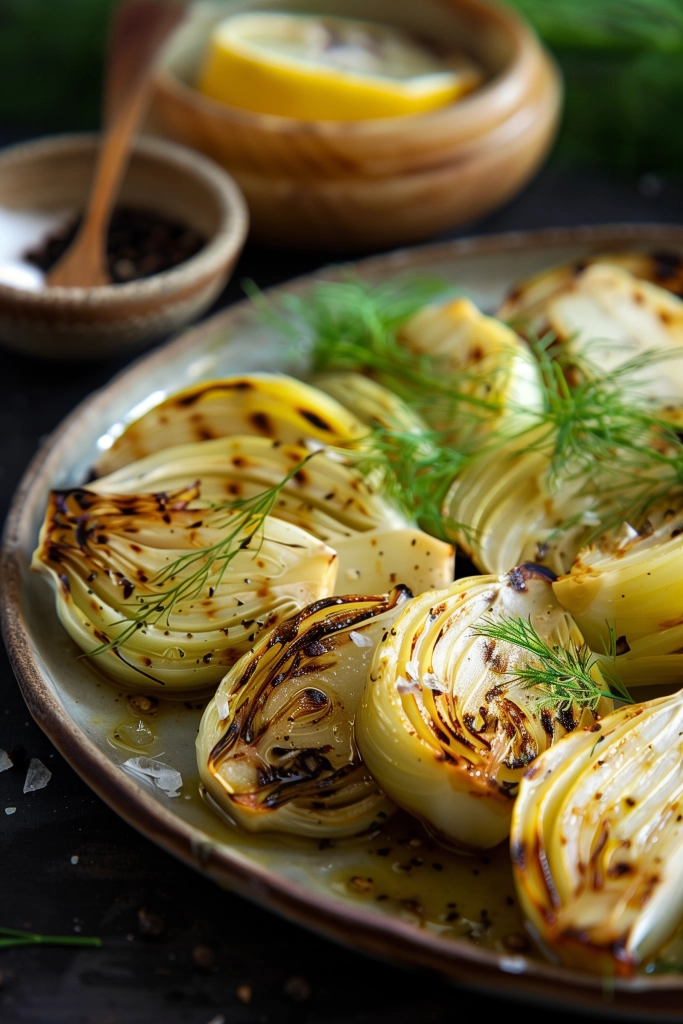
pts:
[77, 708]
[370, 184]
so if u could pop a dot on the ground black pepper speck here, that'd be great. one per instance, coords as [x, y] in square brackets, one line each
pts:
[139, 243]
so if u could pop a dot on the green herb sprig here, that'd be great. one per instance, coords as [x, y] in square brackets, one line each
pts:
[415, 472]
[566, 677]
[352, 325]
[600, 431]
[599, 414]
[12, 937]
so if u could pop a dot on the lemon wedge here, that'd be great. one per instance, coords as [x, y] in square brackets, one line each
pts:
[331, 69]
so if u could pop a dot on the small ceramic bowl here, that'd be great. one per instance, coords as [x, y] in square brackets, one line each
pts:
[89, 323]
[349, 186]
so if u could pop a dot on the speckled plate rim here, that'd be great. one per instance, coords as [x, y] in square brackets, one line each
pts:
[457, 960]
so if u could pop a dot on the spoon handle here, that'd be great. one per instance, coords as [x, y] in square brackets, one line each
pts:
[138, 30]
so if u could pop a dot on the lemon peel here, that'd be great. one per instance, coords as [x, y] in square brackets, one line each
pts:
[337, 69]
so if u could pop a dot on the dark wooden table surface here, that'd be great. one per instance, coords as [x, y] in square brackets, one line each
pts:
[176, 950]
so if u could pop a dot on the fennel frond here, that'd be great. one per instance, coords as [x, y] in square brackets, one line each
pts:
[600, 430]
[596, 417]
[566, 677]
[415, 471]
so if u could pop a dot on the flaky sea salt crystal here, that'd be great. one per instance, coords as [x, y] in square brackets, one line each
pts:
[222, 705]
[514, 964]
[5, 761]
[432, 681]
[628, 534]
[170, 781]
[165, 778]
[21, 230]
[413, 670]
[336, 456]
[403, 686]
[37, 776]
[359, 640]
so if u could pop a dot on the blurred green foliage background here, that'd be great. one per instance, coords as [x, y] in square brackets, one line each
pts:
[51, 62]
[623, 68]
[622, 61]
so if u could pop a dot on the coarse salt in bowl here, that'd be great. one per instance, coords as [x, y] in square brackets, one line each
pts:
[42, 182]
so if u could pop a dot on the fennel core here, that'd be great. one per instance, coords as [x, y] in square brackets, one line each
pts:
[566, 677]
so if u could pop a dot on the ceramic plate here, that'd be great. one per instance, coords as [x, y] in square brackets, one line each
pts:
[399, 895]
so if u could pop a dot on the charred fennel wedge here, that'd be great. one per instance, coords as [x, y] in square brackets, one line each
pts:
[268, 405]
[462, 371]
[509, 509]
[597, 839]
[527, 303]
[371, 402]
[377, 545]
[597, 455]
[323, 496]
[166, 597]
[630, 581]
[606, 316]
[452, 716]
[492, 364]
[275, 748]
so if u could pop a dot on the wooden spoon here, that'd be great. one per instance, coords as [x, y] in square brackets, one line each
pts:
[138, 30]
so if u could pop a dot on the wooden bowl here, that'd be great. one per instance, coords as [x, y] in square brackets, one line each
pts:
[343, 186]
[80, 323]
